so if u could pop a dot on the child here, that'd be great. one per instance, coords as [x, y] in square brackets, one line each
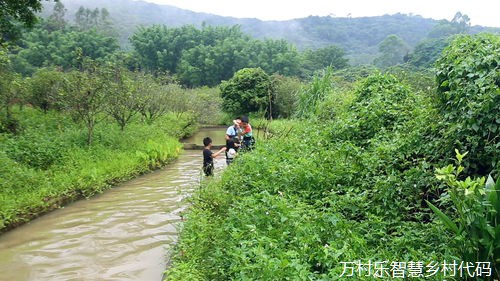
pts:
[231, 151]
[248, 139]
[208, 156]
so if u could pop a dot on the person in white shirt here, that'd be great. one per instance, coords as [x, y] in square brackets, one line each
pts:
[231, 151]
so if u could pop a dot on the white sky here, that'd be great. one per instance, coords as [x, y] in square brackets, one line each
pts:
[481, 12]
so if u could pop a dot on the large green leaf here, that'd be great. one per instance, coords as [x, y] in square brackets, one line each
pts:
[444, 218]
[492, 191]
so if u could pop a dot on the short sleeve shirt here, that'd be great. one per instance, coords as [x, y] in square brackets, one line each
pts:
[231, 131]
[207, 157]
[247, 131]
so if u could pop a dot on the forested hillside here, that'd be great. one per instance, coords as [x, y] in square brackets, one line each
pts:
[359, 37]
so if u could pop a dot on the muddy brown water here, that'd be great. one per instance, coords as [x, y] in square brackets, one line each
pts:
[122, 234]
[215, 133]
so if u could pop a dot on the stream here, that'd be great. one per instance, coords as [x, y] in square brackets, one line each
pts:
[122, 234]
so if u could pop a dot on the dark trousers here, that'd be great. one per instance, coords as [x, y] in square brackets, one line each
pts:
[208, 169]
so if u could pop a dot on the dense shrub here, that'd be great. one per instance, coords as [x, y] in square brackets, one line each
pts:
[381, 104]
[249, 90]
[468, 76]
[36, 151]
[286, 91]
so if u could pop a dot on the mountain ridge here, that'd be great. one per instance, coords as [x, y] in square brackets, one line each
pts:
[359, 36]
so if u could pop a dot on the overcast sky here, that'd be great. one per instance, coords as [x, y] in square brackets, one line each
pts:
[481, 12]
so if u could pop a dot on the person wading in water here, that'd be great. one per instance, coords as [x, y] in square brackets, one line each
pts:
[208, 156]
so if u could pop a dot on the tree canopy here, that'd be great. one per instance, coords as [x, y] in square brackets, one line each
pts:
[249, 90]
[54, 42]
[392, 51]
[209, 55]
[13, 13]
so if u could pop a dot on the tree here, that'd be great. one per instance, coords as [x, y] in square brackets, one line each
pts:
[175, 98]
[46, 84]
[9, 83]
[43, 48]
[121, 95]
[7, 97]
[198, 66]
[97, 19]
[13, 89]
[427, 52]
[14, 12]
[210, 55]
[208, 65]
[160, 48]
[86, 18]
[56, 21]
[273, 56]
[205, 112]
[92, 44]
[249, 90]
[318, 59]
[459, 24]
[392, 51]
[462, 21]
[154, 98]
[84, 95]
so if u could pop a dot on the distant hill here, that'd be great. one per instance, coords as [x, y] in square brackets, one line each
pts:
[359, 37]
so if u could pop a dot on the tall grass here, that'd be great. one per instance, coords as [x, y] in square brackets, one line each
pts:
[49, 163]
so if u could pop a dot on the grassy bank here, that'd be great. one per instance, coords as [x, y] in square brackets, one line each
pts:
[295, 210]
[329, 196]
[49, 164]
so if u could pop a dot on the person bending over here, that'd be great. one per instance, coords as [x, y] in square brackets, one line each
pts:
[247, 134]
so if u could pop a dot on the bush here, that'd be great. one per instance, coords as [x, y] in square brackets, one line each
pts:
[286, 91]
[248, 91]
[468, 76]
[382, 104]
[38, 151]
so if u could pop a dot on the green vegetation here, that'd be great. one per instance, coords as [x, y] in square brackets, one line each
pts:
[365, 183]
[248, 91]
[359, 172]
[81, 133]
[477, 206]
[469, 98]
[210, 55]
[13, 14]
[392, 51]
[50, 164]
[64, 48]
[78, 122]
[357, 37]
